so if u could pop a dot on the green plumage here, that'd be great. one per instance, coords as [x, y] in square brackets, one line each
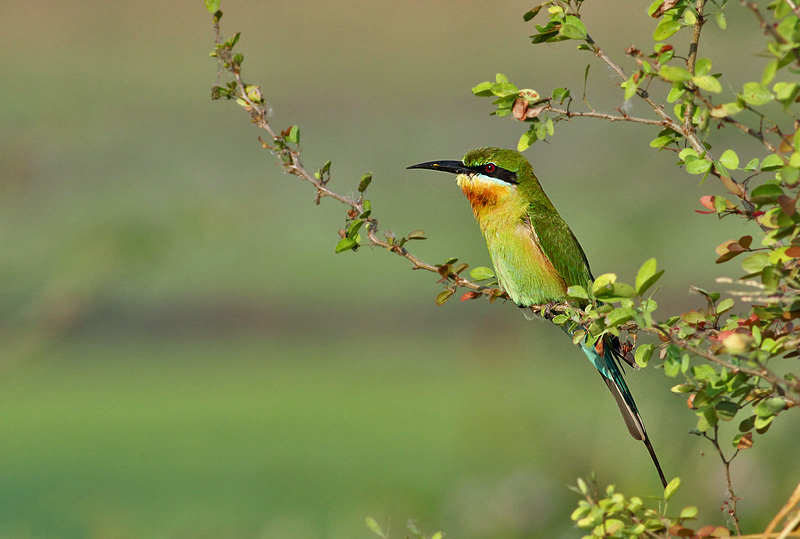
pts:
[516, 220]
[535, 254]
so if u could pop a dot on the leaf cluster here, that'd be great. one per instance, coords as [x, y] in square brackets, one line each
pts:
[612, 514]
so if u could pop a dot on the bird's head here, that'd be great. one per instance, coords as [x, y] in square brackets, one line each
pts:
[495, 165]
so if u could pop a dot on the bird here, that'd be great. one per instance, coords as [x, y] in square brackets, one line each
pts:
[535, 255]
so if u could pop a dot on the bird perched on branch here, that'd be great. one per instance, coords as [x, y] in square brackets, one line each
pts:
[536, 256]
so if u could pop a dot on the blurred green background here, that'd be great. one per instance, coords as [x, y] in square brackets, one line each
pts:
[185, 356]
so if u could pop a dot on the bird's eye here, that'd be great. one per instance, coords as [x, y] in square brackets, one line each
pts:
[489, 168]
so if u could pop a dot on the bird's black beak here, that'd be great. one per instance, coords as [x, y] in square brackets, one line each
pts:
[454, 167]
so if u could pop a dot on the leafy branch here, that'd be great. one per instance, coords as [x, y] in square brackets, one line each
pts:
[285, 145]
[717, 392]
[739, 349]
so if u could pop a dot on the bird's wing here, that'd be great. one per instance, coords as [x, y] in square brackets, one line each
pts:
[560, 246]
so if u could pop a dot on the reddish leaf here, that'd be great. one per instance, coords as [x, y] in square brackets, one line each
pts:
[788, 205]
[745, 442]
[663, 8]
[727, 256]
[725, 247]
[708, 202]
[534, 112]
[745, 241]
[706, 531]
[470, 295]
[520, 108]
[793, 251]
[680, 531]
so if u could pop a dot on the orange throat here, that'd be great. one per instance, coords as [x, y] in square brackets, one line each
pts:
[482, 193]
[491, 200]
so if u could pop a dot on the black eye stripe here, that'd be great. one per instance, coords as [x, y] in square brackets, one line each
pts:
[498, 172]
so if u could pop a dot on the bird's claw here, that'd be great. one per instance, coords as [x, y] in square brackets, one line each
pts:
[548, 312]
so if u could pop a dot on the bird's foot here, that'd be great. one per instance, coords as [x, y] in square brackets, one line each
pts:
[548, 311]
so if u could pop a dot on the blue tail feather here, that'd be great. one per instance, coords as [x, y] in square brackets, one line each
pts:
[608, 365]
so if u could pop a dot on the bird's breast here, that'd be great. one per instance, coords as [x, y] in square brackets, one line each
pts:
[522, 268]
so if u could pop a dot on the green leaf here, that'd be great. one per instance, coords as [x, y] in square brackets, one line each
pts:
[212, 6]
[674, 74]
[345, 244]
[769, 72]
[729, 159]
[529, 15]
[481, 273]
[577, 292]
[725, 305]
[726, 109]
[527, 138]
[707, 83]
[702, 67]
[672, 486]
[578, 28]
[786, 92]
[766, 194]
[675, 93]
[689, 512]
[560, 94]
[647, 276]
[365, 181]
[373, 525]
[630, 86]
[653, 7]
[662, 141]
[721, 22]
[443, 296]
[483, 89]
[698, 166]
[643, 354]
[771, 162]
[352, 230]
[770, 407]
[671, 367]
[755, 262]
[619, 316]
[665, 29]
[751, 165]
[726, 410]
[294, 135]
[756, 94]
[747, 424]
[604, 280]
[417, 235]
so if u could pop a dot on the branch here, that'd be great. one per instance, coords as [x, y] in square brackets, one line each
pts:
[658, 109]
[762, 372]
[730, 502]
[687, 130]
[610, 117]
[252, 101]
[770, 29]
[690, 64]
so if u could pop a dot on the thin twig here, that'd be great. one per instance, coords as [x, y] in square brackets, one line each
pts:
[732, 498]
[610, 117]
[688, 133]
[690, 63]
[768, 28]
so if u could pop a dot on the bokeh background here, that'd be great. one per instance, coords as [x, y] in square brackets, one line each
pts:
[183, 354]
